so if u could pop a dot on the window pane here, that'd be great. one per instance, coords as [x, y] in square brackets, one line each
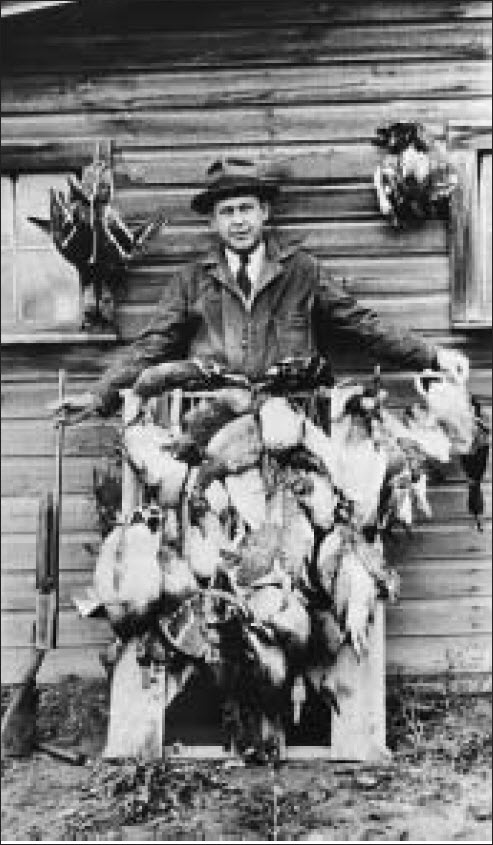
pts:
[47, 290]
[7, 211]
[485, 229]
[32, 198]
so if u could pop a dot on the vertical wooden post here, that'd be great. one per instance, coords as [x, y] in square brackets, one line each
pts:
[130, 487]
[358, 733]
[136, 727]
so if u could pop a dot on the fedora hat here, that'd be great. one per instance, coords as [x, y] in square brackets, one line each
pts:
[229, 176]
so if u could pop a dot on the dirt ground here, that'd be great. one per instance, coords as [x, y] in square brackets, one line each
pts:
[437, 786]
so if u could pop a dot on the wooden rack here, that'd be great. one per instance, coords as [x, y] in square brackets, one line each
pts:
[138, 711]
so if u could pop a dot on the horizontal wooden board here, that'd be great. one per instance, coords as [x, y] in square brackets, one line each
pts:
[78, 552]
[372, 276]
[440, 617]
[81, 662]
[406, 312]
[315, 43]
[416, 656]
[316, 202]
[292, 163]
[437, 655]
[176, 15]
[327, 238]
[175, 127]
[73, 631]
[19, 514]
[446, 548]
[423, 580]
[28, 400]
[19, 364]
[445, 579]
[454, 617]
[22, 439]
[458, 539]
[31, 476]
[18, 591]
[359, 82]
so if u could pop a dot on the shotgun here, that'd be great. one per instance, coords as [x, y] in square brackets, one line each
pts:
[19, 722]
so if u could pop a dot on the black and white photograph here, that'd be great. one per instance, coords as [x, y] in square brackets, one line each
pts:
[246, 312]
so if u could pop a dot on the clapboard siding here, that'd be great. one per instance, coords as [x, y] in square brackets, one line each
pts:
[421, 581]
[243, 47]
[302, 85]
[176, 127]
[365, 81]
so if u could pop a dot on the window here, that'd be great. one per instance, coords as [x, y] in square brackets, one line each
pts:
[40, 290]
[470, 231]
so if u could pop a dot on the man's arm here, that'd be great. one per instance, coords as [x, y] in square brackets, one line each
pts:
[336, 310]
[165, 338]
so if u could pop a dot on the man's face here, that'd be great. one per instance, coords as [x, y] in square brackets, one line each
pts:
[239, 221]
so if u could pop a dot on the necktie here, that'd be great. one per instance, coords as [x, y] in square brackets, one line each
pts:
[242, 277]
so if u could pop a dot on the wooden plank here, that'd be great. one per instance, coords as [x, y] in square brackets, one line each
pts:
[18, 514]
[296, 163]
[405, 656]
[408, 312]
[149, 15]
[174, 127]
[439, 579]
[295, 203]
[31, 476]
[23, 398]
[358, 731]
[370, 81]
[81, 662]
[73, 631]
[431, 542]
[18, 591]
[69, 155]
[160, 49]
[175, 15]
[371, 276]
[19, 366]
[77, 552]
[37, 438]
[445, 579]
[27, 399]
[330, 238]
[440, 617]
[436, 655]
[412, 619]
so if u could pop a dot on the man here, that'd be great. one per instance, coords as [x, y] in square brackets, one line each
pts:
[250, 303]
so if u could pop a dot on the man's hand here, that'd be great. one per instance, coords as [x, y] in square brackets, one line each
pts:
[453, 362]
[74, 408]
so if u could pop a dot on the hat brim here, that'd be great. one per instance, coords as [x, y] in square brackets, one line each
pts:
[203, 202]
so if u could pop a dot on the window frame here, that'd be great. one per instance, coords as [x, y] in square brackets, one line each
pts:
[36, 158]
[469, 294]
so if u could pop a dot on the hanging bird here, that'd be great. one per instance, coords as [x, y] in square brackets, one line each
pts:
[91, 235]
[475, 462]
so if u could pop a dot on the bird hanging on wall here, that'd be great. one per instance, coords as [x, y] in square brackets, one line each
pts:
[90, 233]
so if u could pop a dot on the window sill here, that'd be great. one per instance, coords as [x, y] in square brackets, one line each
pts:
[33, 338]
[462, 325]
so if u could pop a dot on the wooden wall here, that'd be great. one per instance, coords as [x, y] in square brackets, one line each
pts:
[172, 85]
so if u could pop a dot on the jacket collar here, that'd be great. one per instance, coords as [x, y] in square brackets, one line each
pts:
[275, 257]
